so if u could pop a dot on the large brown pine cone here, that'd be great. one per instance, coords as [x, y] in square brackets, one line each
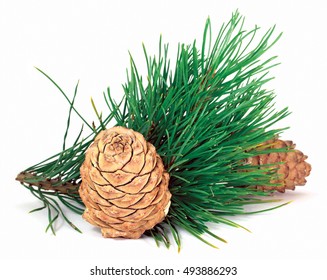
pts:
[124, 184]
[291, 165]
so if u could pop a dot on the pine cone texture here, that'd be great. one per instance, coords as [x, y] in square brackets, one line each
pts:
[124, 185]
[291, 165]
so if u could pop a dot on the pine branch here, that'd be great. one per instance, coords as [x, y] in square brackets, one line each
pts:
[205, 117]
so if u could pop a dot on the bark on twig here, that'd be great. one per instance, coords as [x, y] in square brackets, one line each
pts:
[48, 184]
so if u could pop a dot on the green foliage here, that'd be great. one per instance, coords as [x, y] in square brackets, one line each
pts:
[205, 117]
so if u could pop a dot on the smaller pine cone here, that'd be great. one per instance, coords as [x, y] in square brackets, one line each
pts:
[124, 185]
[291, 165]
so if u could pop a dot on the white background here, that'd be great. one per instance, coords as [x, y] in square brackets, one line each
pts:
[89, 41]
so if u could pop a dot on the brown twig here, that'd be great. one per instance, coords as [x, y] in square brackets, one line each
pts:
[55, 185]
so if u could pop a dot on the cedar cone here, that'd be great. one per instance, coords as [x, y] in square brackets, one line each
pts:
[291, 165]
[124, 185]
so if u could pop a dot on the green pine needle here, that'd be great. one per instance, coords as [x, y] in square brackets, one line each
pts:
[205, 117]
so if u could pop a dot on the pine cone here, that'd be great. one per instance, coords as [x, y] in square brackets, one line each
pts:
[124, 184]
[291, 165]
